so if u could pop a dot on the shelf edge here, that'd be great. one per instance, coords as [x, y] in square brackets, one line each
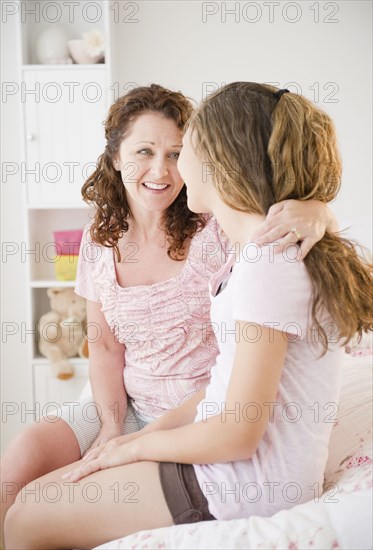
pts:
[47, 283]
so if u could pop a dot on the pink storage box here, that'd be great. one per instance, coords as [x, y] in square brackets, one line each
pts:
[68, 242]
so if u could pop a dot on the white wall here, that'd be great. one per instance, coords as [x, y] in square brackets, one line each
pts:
[171, 44]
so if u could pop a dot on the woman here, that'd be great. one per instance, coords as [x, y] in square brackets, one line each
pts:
[144, 268]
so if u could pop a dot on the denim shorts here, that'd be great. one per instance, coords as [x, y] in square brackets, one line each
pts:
[183, 495]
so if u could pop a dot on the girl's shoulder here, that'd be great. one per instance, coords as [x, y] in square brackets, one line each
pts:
[270, 286]
[271, 265]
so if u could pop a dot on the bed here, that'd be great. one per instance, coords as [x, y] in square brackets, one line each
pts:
[341, 518]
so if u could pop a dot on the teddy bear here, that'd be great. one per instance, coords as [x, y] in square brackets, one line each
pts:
[62, 331]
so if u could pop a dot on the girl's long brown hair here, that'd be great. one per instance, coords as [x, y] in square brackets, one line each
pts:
[104, 188]
[264, 150]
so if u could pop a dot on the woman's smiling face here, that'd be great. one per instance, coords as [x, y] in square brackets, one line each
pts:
[147, 159]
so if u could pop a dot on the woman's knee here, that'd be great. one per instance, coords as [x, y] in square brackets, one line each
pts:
[20, 460]
[40, 448]
[14, 525]
[20, 525]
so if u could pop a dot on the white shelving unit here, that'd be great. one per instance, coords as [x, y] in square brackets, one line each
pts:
[63, 107]
[50, 391]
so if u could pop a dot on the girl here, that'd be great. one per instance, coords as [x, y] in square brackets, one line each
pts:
[255, 444]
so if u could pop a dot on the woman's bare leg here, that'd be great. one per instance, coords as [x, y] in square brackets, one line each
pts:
[41, 448]
[54, 514]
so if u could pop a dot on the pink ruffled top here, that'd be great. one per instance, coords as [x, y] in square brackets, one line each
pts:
[166, 328]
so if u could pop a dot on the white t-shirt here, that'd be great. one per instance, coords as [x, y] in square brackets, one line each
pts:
[287, 468]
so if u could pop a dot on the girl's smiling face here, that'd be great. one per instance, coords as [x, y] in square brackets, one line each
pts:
[147, 159]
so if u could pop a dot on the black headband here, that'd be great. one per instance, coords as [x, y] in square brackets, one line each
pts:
[279, 93]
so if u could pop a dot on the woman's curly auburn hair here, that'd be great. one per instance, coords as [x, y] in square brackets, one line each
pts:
[104, 188]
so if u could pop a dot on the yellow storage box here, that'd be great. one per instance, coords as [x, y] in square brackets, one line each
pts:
[65, 267]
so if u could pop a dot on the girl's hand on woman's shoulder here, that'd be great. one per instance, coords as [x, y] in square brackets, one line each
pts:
[292, 221]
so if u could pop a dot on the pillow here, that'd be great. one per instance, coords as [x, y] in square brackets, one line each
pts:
[361, 347]
[348, 475]
[350, 440]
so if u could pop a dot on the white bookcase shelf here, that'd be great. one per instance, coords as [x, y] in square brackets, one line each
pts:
[60, 206]
[52, 283]
[63, 108]
[67, 66]
[50, 392]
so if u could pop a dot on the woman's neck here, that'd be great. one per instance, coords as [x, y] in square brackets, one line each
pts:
[145, 225]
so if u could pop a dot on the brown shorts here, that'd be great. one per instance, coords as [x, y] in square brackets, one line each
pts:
[185, 500]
